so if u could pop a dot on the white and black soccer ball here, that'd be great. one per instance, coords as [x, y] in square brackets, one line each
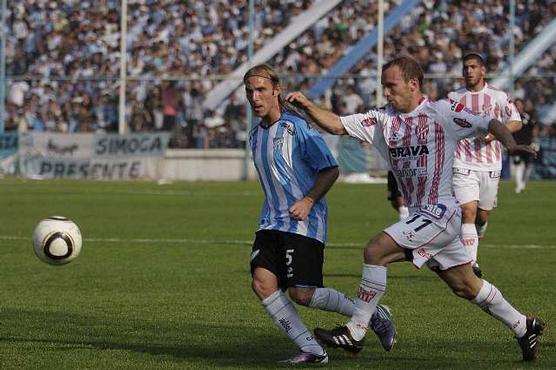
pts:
[57, 240]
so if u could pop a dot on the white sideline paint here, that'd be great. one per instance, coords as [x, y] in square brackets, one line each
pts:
[249, 242]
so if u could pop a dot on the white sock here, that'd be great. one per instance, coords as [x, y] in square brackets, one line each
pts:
[403, 212]
[481, 229]
[329, 299]
[470, 239]
[285, 316]
[519, 176]
[493, 302]
[371, 289]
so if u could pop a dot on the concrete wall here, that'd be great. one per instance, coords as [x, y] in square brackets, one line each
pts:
[206, 165]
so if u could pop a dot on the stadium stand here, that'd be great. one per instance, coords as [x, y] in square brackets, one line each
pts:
[63, 59]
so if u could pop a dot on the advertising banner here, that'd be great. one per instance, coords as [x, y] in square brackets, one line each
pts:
[91, 156]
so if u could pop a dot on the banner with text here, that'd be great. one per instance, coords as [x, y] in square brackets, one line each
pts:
[8, 152]
[91, 156]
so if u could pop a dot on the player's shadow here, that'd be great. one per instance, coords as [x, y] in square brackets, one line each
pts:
[220, 345]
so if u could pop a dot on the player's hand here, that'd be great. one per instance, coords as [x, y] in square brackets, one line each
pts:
[523, 150]
[300, 210]
[298, 99]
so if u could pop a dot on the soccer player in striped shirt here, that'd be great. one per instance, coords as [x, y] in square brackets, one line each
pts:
[418, 138]
[296, 169]
[478, 160]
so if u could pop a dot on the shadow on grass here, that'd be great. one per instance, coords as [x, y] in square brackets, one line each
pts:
[189, 343]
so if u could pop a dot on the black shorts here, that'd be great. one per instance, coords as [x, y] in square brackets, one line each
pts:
[296, 260]
[393, 191]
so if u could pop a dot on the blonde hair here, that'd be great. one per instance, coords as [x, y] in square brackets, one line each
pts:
[266, 71]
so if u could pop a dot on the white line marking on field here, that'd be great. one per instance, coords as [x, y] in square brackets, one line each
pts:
[249, 242]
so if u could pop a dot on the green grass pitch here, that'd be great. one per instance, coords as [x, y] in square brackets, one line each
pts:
[163, 280]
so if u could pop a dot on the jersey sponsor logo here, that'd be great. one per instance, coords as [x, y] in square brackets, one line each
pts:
[462, 122]
[368, 122]
[435, 210]
[394, 138]
[409, 151]
[411, 172]
[365, 295]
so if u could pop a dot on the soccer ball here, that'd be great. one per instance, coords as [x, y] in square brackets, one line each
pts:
[57, 240]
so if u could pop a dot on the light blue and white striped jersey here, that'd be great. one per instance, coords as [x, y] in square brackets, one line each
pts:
[288, 157]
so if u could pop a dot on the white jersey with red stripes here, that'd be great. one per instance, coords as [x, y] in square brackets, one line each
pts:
[420, 145]
[474, 153]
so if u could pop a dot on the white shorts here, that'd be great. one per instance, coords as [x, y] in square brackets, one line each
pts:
[432, 233]
[470, 185]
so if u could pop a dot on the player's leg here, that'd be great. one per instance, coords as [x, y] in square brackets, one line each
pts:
[467, 191]
[487, 199]
[519, 173]
[465, 284]
[329, 299]
[380, 251]
[269, 275]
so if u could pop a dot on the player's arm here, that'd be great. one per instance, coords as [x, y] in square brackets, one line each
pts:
[325, 119]
[325, 179]
[513, 126]
[504, 135]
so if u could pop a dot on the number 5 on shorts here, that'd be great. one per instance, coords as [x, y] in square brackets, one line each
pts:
[289, 259]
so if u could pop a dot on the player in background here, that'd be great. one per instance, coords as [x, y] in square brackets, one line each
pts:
[296, 170]
[395, 197]
[478, 161]
[522, 165]
[418, 138]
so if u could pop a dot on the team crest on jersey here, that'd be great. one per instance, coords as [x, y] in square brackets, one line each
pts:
[278, 142]
[462, 122]
[369, 122]
[455, 106]
[508, 111]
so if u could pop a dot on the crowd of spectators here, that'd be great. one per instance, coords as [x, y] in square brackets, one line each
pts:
[64, 59]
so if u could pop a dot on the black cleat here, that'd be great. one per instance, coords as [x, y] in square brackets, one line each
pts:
[477, 270]
[383, 326]
[528, 342]
[339, 337]
[302, 357]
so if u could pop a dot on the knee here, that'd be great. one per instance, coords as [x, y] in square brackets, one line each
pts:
[464, 290]
[371, 254]
[468, 214]
[261, 288]
[301, 296]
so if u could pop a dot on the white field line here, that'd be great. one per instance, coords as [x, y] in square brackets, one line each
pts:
[249, 242]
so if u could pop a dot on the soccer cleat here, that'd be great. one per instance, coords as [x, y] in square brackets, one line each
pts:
[383, 326]
[528, 342]
[477, 270]
[339, 337]
[302, 357]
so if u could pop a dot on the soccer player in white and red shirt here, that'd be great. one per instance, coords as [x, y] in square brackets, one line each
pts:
[418, 138]
[478, 159]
